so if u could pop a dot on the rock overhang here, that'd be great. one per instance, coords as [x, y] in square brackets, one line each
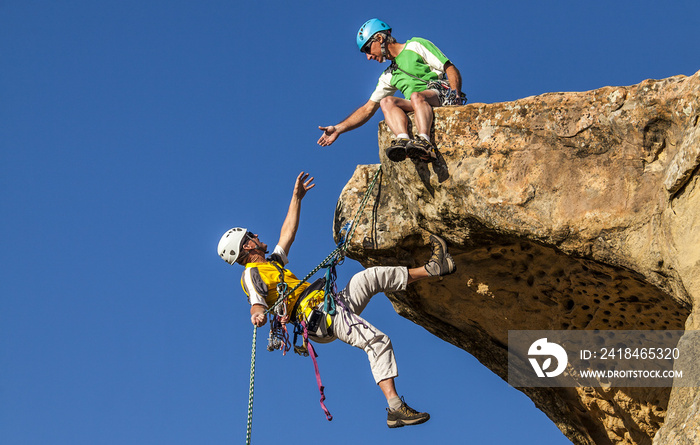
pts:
[563, 211]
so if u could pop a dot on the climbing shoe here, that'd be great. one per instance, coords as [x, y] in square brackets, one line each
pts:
[405, 415]
[440, 262]
[421, 149]
[397, 150]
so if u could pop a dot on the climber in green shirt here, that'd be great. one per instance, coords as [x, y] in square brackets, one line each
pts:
[417, 67]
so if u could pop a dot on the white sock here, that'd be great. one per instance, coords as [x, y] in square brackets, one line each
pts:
[394, 403]
[402, 136]
[425, 136]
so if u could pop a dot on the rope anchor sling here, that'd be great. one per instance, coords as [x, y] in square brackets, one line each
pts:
[329, 261]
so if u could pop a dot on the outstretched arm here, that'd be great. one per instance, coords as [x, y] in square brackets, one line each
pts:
[291, 222]
[453, 76]
[357, 119]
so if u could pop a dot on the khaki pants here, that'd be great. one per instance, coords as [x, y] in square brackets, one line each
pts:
[350, 328]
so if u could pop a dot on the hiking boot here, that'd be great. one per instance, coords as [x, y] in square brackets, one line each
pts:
[440, 262]
[405, 415]
[397, 150]
[421, 149]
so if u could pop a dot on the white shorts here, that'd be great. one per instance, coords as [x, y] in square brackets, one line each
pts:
[350, 328]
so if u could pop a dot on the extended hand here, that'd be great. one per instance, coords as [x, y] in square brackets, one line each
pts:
[303, 185]
[330, 134]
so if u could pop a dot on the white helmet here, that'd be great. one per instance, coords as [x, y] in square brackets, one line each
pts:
[231, 243]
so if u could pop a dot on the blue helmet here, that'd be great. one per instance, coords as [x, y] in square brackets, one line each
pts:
[370, 28]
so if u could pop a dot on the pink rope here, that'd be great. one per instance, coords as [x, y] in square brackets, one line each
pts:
[313, 355]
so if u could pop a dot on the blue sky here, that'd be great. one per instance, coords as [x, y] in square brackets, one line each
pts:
[134, 133]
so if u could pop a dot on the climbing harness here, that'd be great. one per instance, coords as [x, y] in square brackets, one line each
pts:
[279, 337]
[310, 306]
[447, 95]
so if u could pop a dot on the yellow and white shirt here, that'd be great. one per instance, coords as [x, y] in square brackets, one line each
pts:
[259, 281]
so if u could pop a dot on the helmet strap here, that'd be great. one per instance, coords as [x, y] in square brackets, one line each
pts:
[257, 249]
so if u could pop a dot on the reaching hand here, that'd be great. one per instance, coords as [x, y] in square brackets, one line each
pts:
[303, 185]
[330, 134]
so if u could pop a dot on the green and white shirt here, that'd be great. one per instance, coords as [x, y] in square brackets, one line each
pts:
[419, 57]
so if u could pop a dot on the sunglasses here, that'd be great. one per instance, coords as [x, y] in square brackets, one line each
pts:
[368, 46]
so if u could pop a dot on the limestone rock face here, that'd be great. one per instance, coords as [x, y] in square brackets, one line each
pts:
[562, 211]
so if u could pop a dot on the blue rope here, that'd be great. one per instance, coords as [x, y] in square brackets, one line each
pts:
[330, 290]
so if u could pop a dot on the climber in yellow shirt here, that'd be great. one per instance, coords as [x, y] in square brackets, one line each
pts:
[262, 274]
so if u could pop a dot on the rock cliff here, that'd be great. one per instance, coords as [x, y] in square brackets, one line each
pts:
[575, 210]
